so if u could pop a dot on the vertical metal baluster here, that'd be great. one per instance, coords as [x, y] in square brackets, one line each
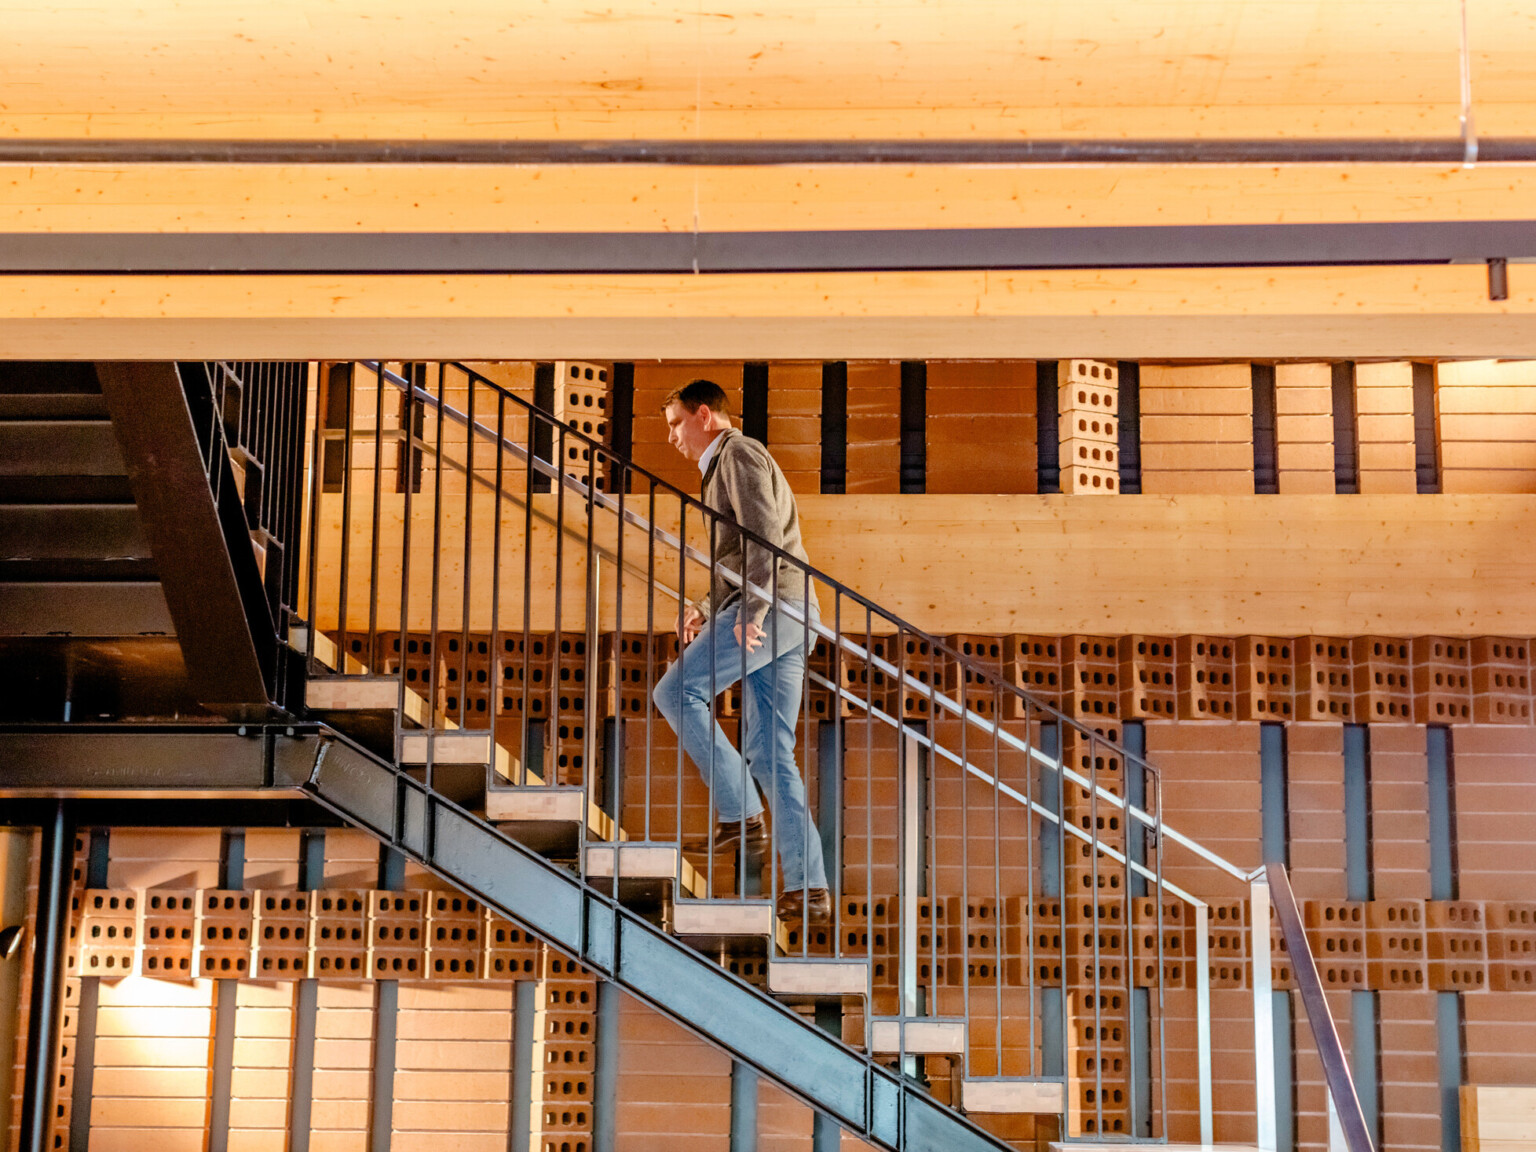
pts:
[526, 720]
[589, 631]
[1036, 1066]
[498, 657]
[346, 521]
[620, 471]
[833, 710]
[1162, 1014]
[465, 625]
[1097, 925]
[650, 643]
[742, 616]
[869, 792]
[411, 400]
[316, 480]
[555, 774]
[715, 641]
[965, 862]
[434, 643]
[1130, 940]
[1063, 842]
[682, 658]
[378, 496]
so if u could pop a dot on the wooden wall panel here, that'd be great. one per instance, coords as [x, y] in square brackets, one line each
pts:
[1315, 787]
[1384, 424]
[1210, 792]
[794, 423]
[453, 1067]
[1399, 812]
[674, 1091]
[1495, 812]
[262, 1077]
[981, 426]
[1487, 412]
[874, 427]
[1196, 429]
[1410, 1072]
[160, 1025]
[1304, 428]
[653, 380]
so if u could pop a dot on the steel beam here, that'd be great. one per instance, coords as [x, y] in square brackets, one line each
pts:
[742, 153]
[832, 250]
[858, 1093]
[212, 587]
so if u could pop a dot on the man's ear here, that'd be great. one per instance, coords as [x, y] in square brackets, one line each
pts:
[705, 414]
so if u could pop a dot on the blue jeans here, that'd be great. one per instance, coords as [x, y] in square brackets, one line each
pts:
[770, 711]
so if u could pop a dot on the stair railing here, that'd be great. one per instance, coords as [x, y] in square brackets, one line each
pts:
[464, 449]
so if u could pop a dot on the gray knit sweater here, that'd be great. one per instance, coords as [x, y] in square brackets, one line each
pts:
[745, 484]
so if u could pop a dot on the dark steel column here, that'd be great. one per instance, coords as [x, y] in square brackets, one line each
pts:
[51, 926]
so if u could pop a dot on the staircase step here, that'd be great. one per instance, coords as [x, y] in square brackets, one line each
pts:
[925, 1036]
[84, 608]
[351, 694]
[736, 926]
[326, 653]
[60, 448]
[818, 979]
[647, 874]
[448, 747]
[1048, 1097]
[549, 820]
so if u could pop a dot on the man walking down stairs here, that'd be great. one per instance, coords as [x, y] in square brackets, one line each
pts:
[743, 482]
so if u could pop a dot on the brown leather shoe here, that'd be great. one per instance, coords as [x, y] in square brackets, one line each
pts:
[728, 836]
[814, 906]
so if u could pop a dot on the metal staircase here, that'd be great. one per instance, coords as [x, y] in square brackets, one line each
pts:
[505, 656]
[468, 652]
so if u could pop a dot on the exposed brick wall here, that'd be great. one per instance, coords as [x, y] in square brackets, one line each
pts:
[674, 1091]
[1315, 786]
[1495, 811]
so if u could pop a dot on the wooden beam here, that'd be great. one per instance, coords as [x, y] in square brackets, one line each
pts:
[1364, 312]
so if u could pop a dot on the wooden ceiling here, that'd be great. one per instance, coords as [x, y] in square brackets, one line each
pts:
[775, 69]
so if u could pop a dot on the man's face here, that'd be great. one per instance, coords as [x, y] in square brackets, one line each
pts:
[690, 432]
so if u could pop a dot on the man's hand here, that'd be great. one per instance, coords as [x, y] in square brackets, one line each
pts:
[689, 621]
[754, 637]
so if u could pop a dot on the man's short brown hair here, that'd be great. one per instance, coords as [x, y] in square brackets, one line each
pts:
[696, 393]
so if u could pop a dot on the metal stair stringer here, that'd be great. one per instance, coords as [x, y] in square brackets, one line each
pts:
[860, 1094]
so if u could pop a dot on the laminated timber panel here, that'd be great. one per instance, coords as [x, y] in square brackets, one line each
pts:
[874, 427]
[774, 73]
[1495, 808]
[1304, 428]
[1190, 564]
[1487, 418]
[981, 426]
[1289, 565]
[1196, 428]
[1145, 313]
[674, 1090]
[1315, 793]
[265, 1014]
[163, 1025]
[231, 197]
[794, 423]
[453, 1066]
[652, 383]
[1399, 780]
[1384, 426]
[1410, 1073]
[262, 1069]
[1210, 775]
